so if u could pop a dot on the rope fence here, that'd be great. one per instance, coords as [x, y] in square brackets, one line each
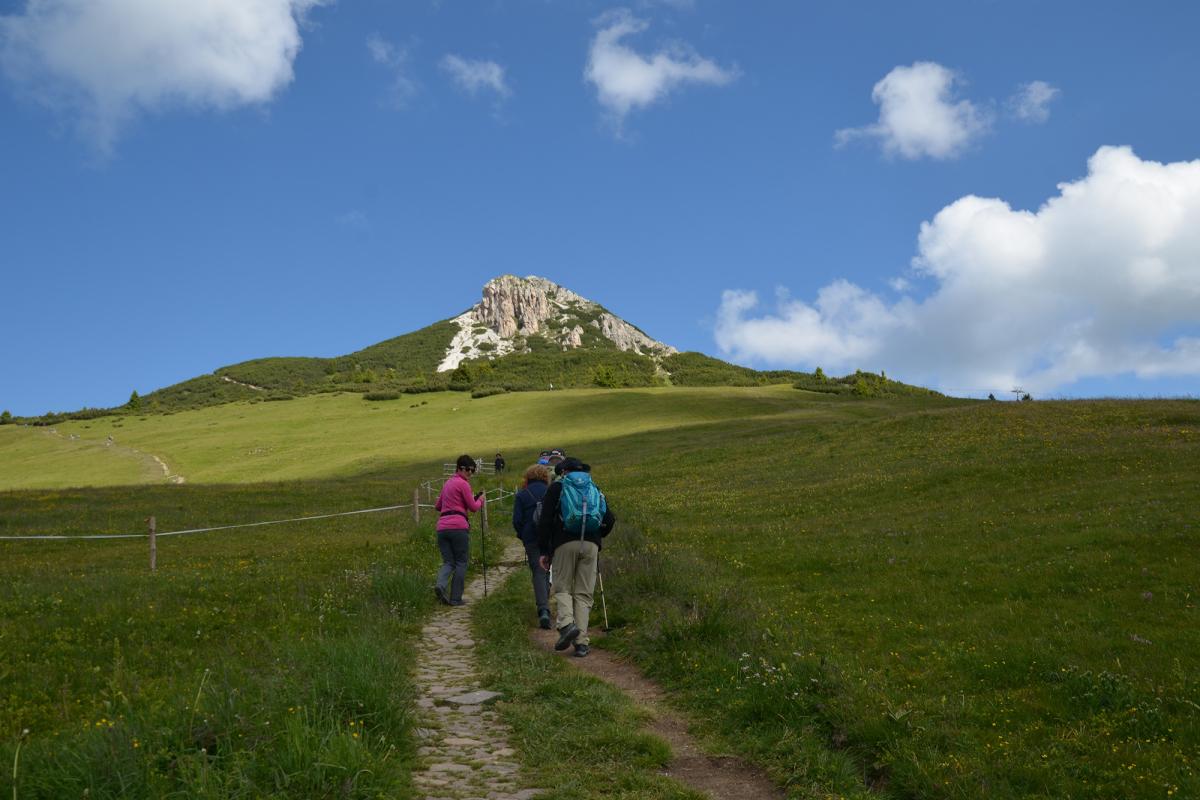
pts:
[490, 495]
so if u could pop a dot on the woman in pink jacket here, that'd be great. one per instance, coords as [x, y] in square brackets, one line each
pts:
[454, 528]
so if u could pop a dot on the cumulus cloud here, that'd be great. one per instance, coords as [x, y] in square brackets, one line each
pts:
[475, 76]
[1031, 103]
[1102, 280]
[105, 61]
[395, 59]
[626, 80]
[919, 115]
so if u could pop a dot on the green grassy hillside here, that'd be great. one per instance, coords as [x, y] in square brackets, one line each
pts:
[329, 434]
[873, 597]
[50, 458]
[408, 365]
[987, 600]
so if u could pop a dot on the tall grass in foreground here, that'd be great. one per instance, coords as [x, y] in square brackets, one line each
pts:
[998, 600]
[265, 662]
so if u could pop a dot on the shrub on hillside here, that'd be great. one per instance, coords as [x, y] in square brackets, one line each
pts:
[603, 376]
[6, 417]
[488, 391]
[378, 396]
[862, 384]
[275, 397]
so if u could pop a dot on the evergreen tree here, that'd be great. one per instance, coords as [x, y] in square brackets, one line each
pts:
[5, 417]
[135, 402]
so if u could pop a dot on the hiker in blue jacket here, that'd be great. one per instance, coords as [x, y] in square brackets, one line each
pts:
[536, 479]
[574, 520]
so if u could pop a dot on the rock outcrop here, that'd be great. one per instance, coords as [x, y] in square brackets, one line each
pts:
[514, 309]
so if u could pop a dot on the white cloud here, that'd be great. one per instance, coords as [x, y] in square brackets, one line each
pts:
[1102, 280]
[473, 76]
[626, 80]
[395, 59]
[354, 219]
[1031, 103]
[105, 61]
[919, 116]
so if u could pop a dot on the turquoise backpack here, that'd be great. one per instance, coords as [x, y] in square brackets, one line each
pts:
[582, 505]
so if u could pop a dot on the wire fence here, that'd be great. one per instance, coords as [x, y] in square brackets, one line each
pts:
[490, 495]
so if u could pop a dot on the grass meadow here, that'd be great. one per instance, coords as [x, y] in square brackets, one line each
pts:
[45, 459]
[990, 600]
[908, 598]
[341, 434]
[261, 662]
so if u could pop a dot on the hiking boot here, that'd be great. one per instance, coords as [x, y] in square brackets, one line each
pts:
[566, 635]
[581, 650]
[544, 619]
[458, 602]
[441, 595]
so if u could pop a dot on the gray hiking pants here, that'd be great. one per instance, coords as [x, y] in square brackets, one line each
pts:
[455, 547]
[541, 578]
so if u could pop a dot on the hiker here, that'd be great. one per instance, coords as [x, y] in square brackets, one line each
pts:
[533, 489]
[499, 464]
[575, 518]
[453, 530]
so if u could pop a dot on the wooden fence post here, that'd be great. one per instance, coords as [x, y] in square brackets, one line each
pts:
[417, 505]
[153, 545]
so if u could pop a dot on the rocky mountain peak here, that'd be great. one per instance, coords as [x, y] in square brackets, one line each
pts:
[514, 309]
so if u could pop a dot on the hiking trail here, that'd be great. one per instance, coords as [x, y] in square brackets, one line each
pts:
[465, 745]
[120, 449]
[719, 777]
[228, 379]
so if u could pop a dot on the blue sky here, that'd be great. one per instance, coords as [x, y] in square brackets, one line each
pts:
[866, 184]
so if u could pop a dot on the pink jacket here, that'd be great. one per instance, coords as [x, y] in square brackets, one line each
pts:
[456, 497]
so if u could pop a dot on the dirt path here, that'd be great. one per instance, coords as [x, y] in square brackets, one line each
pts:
[167, 470]
[228, 379]
[465, 749]
[112, 446]
[720, 777]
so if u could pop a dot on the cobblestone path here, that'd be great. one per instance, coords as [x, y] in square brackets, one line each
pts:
[465, 749]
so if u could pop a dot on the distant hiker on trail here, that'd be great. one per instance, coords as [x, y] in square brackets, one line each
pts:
[575, 518]
[499, 464]
[454, 528]
[533, 489]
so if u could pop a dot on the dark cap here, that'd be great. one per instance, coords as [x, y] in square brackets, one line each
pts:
[571, 465]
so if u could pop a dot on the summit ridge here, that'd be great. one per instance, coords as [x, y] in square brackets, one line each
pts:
[513, 310]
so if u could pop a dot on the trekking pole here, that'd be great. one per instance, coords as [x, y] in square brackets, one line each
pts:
[483, 528]
[603, 604]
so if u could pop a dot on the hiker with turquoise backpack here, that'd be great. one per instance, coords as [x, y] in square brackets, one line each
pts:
[574, 520]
